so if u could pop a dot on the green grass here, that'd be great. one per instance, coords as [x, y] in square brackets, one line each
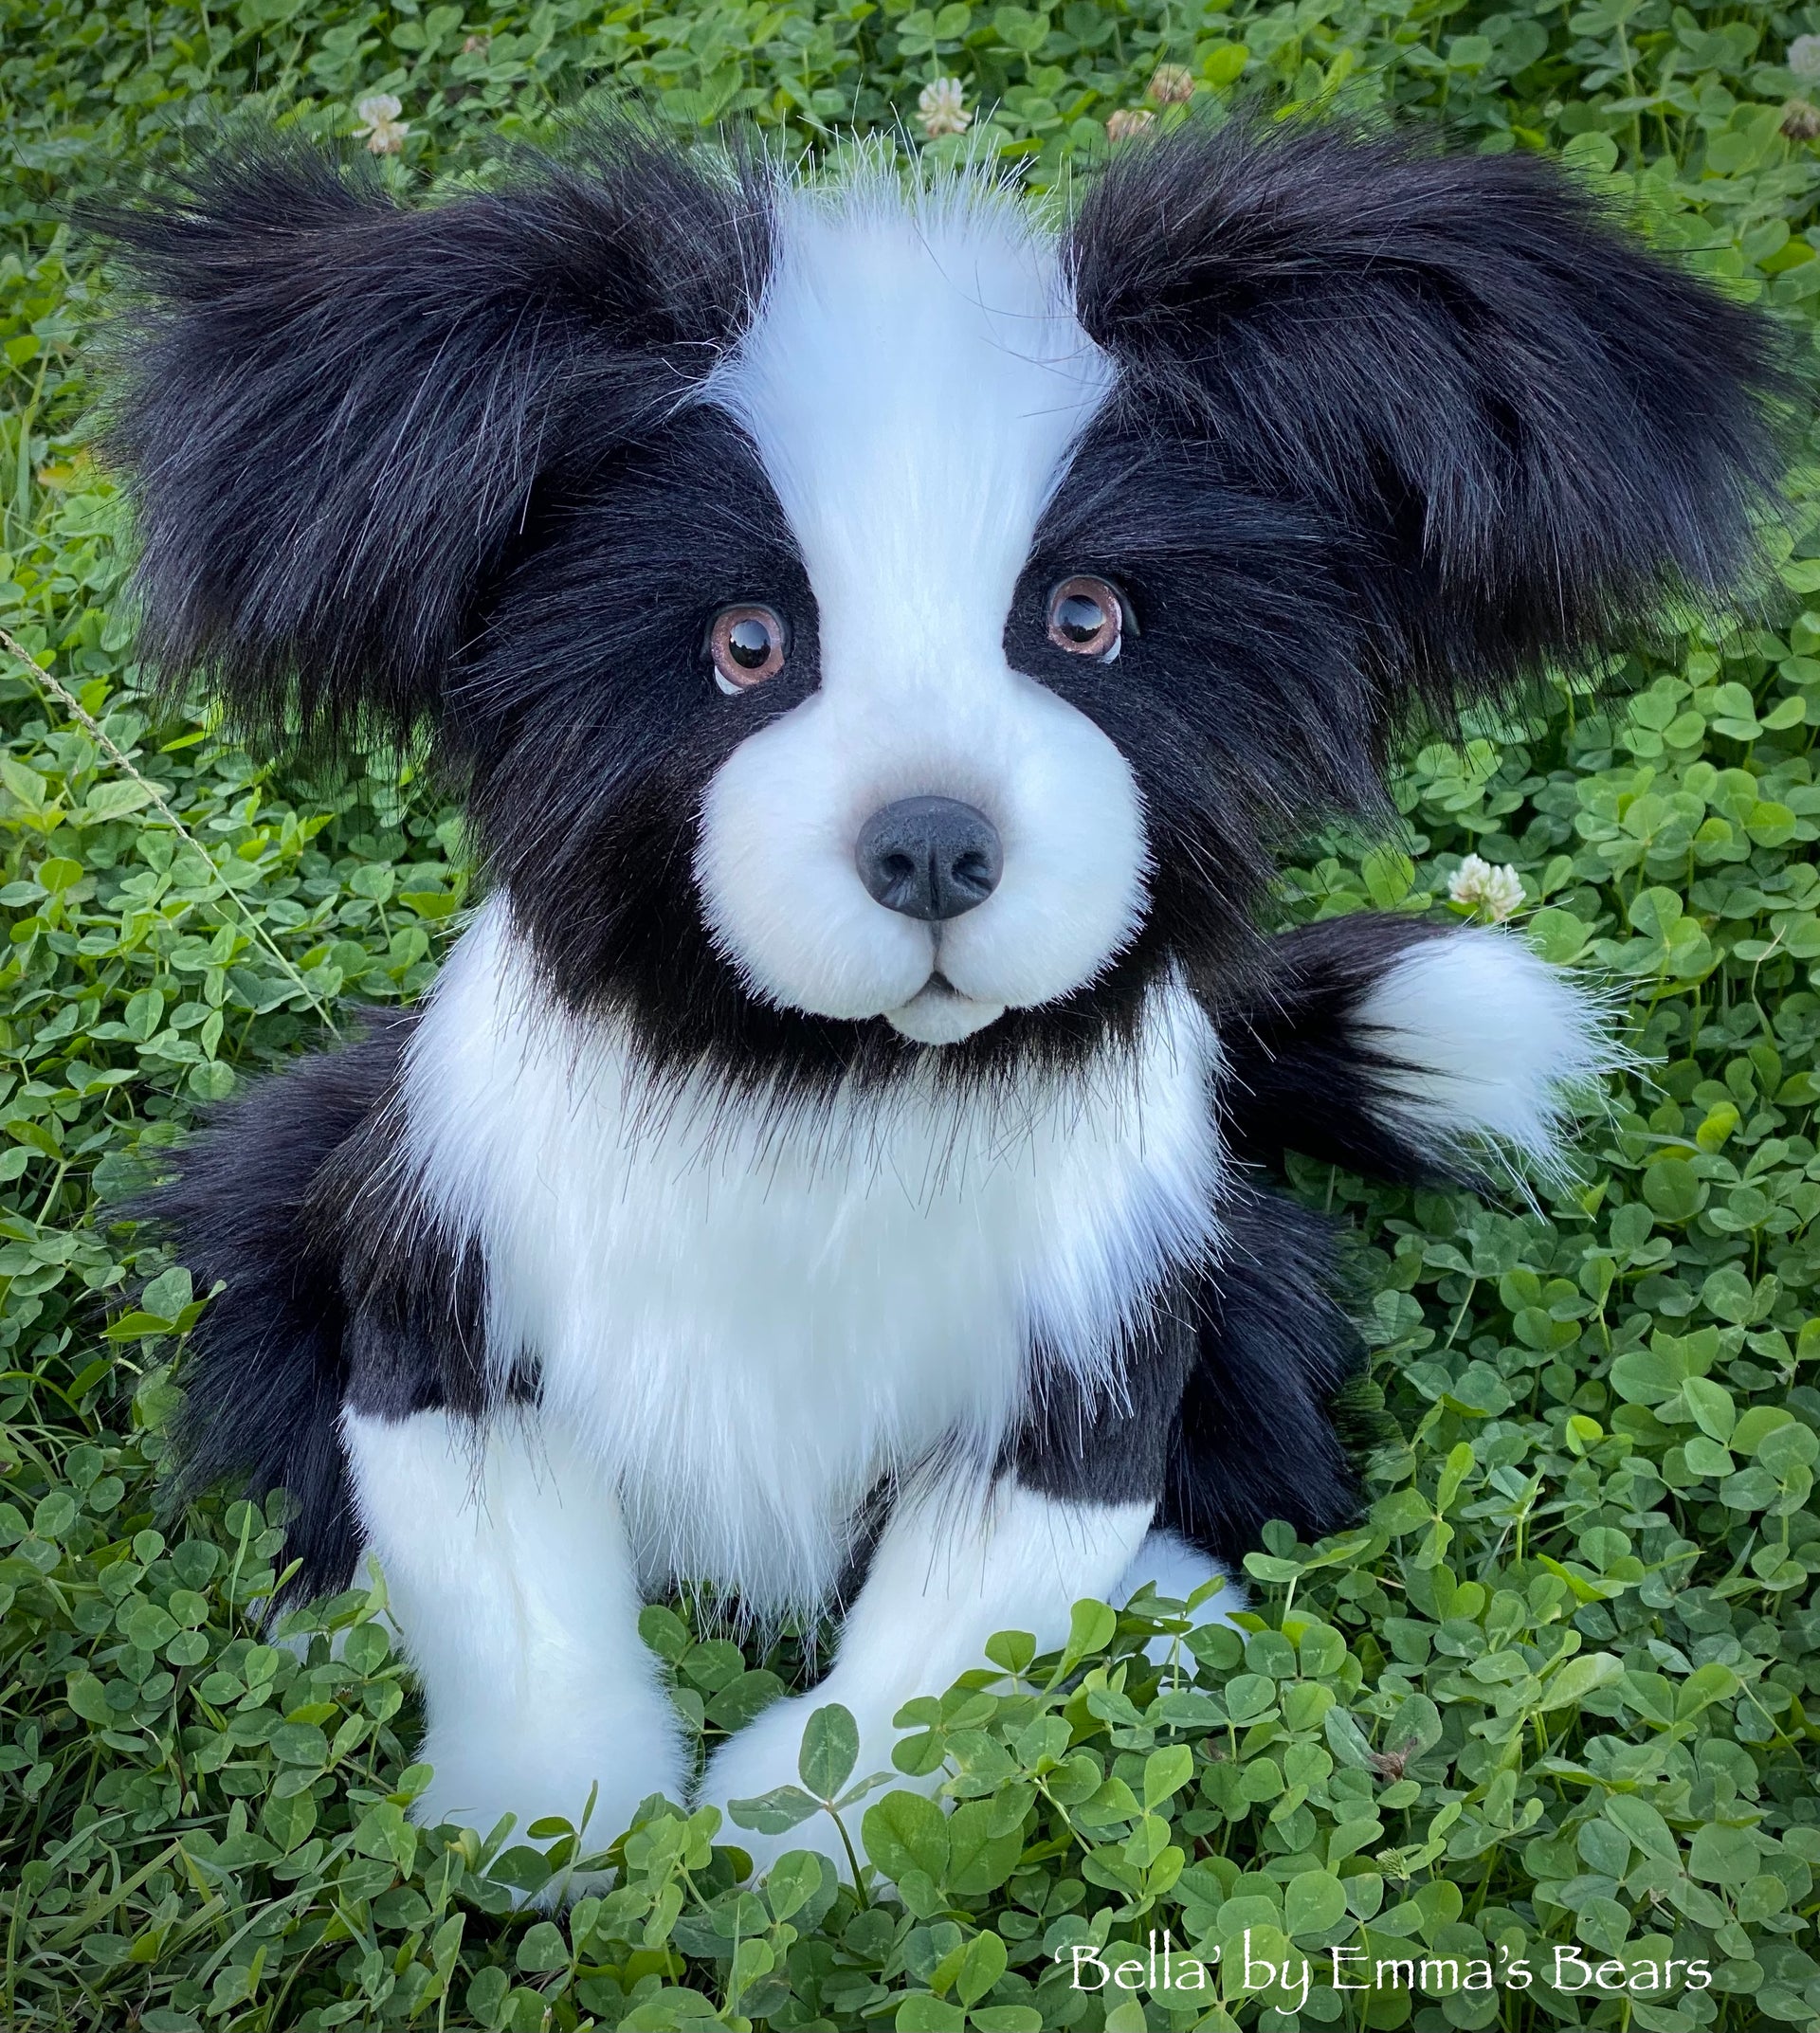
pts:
[1550, 1695]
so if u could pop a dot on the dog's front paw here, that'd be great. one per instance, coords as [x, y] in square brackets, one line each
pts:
[764, 1757]
[760, 1759]
[477, 1780]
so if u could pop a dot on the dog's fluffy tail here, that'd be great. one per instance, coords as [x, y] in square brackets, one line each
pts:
[1408, 1050]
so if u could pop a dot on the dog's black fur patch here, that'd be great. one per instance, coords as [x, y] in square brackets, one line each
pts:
[338, 411]
[1505, 426]
[267, 1367]
[1256, 1438]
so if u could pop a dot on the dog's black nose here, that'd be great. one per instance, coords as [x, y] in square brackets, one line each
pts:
[930, 858]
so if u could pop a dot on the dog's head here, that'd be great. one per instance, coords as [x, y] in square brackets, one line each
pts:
[864, 615]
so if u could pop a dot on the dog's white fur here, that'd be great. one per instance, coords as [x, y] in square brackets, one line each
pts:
[747, 1318]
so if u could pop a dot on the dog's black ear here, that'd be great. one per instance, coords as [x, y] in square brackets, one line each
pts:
[1520, 428]
[333, 408]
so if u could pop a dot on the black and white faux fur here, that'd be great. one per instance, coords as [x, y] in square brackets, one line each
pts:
[712, 1221]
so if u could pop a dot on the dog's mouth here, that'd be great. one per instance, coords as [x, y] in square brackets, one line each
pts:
[939, 1013]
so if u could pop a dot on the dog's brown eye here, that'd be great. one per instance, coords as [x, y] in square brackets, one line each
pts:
[747, 645]
[1086, 617]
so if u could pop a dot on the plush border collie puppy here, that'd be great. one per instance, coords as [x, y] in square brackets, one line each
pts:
[882, 638]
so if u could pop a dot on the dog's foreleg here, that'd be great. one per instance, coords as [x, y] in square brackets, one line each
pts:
[511, 1580]
[953, 1564]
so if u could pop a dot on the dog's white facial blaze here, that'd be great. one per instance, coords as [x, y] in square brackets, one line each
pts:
[914, 382]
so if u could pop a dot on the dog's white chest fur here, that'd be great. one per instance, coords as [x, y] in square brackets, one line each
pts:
[748, 1314]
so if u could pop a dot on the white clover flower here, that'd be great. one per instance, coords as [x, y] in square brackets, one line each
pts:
[1172, 86]
[943, 109]
[1491, 889]
[1804, 56]
[1127, 121]
[379, 122]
